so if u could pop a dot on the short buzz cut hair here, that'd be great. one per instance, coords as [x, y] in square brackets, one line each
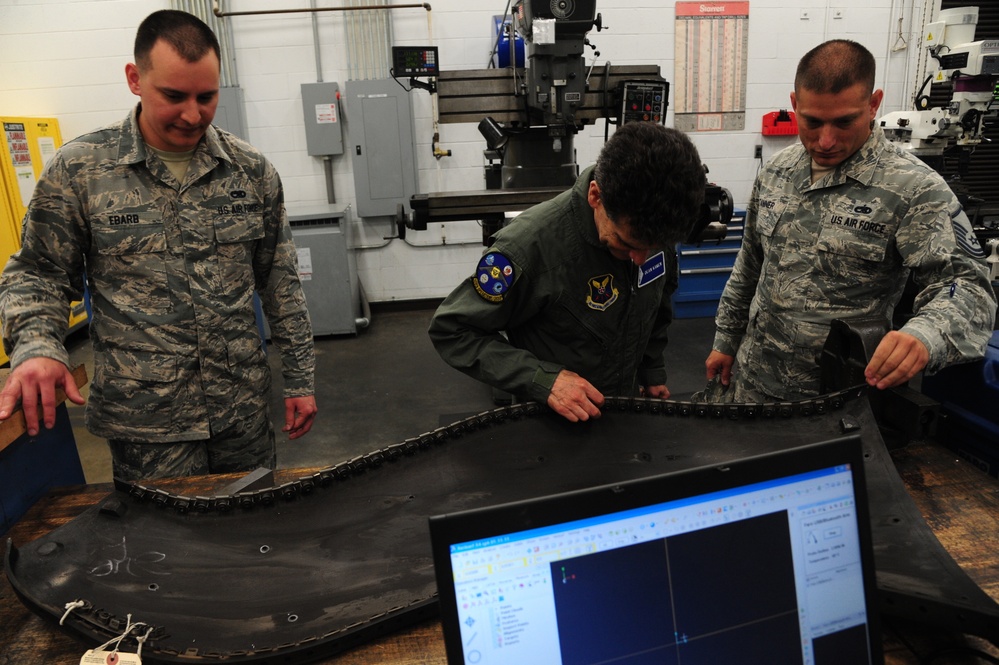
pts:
[833, 66]
[186, 33]
[651, 178]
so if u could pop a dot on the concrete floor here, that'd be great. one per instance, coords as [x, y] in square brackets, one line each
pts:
[384, 385]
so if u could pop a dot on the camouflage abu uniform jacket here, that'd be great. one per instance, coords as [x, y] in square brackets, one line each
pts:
[569, 304]
[844, 247]
[172, 268]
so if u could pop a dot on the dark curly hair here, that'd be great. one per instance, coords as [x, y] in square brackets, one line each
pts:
[651, 178]
[186, 33]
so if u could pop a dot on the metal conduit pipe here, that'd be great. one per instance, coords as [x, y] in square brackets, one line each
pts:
[364, 320]
[317, 47]
[352, 40]
[203, 9]
[367, 34]
[361, 45]
[347, 36]
[390, 29]
[328, 174]
[371, 35]
[367, 41]
[224, 31]
[218, 12]
[371, 62]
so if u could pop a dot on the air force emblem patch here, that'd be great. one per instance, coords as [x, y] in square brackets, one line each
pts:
[493, 277]
[602, 293]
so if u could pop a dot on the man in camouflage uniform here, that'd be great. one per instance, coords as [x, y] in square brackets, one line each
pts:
[834, 228]
[175, 224]
[572, 300]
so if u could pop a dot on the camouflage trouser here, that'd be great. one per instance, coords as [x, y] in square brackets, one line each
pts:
[738, 391]
[246, 446]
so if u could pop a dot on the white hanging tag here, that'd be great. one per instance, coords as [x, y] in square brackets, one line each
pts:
[102, 657]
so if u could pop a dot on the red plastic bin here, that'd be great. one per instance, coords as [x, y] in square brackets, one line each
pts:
[780, 123]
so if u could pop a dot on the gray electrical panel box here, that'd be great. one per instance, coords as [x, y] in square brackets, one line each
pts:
[230, 114]
[327, 268]
[321, 106]
[380, 132]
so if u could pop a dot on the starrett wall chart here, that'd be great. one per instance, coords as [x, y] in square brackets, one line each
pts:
[712, 40]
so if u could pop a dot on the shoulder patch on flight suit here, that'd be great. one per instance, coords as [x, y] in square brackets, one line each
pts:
[602, 292]
[493, 277]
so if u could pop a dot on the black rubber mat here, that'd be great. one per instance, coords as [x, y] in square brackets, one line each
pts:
[297, 572]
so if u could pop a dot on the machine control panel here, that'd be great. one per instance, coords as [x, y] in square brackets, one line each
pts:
[415, 61]
[644, 101]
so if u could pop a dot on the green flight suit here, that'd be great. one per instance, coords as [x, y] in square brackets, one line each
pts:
[569, 305]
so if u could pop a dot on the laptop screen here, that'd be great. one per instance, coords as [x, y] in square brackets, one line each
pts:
[765, 560]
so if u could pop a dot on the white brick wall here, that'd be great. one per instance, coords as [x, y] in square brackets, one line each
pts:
[66, 59]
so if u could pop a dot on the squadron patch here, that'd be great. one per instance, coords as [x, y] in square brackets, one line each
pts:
[493, 277]
[602, 293]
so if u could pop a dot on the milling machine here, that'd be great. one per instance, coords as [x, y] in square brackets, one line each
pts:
[965, 391]
[973, 69]
[954, 130]
[529, 116]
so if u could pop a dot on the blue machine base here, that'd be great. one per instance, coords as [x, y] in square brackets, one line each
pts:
[968, 395]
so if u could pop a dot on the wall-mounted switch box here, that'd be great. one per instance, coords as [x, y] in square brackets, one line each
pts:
[321, 106]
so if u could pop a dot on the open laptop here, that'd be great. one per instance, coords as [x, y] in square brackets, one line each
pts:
[764, 560]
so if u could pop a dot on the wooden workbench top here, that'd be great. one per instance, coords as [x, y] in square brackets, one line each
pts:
[14, 426]
[960, 503]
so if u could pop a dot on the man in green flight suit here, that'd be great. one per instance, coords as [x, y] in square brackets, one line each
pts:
[571, 302]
